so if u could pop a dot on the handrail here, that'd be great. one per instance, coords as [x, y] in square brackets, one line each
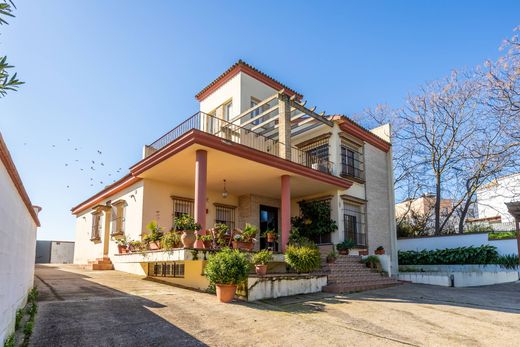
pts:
[235, 133]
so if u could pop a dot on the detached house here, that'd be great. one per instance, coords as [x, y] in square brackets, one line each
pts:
[249, 155]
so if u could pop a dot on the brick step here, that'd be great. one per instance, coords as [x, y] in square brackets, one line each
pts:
[363, 281]
[339, 288]
[100, 264]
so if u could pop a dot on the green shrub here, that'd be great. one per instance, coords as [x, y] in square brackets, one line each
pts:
[303, 258]
[227, 267]
[372, 261]
[509, 261]
[171, 240]
[33, 295]
[18, 319]
[28, 328]
[31, 310]
[155, 234]
[345, 245]
[476, 229]
[502, 235]
[484, 254]
[186, 222]
[10, 341]
[261, 258]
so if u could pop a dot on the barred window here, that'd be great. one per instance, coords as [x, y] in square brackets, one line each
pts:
[118, 216]
[351, 162]
[96, 226]
[173, 269]
[182, 206]
[354, 218]
[225, 214]
[317, 154]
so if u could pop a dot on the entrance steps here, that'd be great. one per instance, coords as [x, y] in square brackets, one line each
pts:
[348, 274]
[100, 264]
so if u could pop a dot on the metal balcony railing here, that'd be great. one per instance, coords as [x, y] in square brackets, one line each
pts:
[235, 133]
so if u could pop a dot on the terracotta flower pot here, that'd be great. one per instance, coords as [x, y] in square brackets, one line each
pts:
[207, 244]
[331, 260]
[379, 252]
[261, 270]
[226, 292]
[344, 252]
[188, 238]
[270, 237]
[154, 245]
[122, 249]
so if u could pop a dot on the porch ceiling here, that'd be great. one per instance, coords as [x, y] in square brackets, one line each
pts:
[243, 176]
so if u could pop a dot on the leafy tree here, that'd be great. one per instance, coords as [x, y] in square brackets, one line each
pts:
[8, 81]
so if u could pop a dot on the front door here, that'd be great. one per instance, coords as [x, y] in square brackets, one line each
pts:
[268, 221]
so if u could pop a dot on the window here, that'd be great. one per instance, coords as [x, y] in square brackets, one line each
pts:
[351, 162]
[118, 216]
[228, 110]
[354, 223]
[256, 112]
[225, 214]
[173, 269]
[96, 226]
[317, 155]
[182, 206]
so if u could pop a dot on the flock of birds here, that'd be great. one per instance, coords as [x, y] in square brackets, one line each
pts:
[94, 168]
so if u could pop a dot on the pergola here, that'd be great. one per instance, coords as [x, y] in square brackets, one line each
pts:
[514, 208]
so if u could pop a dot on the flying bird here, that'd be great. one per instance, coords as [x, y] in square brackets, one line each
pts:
[99, 152]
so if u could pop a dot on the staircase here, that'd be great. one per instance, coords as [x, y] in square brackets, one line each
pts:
[100, 264]
[347, 274]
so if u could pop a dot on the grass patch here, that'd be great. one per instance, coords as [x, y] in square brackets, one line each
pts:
[502, 235]
[10, 341]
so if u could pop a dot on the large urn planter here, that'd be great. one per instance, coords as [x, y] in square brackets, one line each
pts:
[246, 246]
[154, 245]
[226, 292]
[188, 238]
[261, 270]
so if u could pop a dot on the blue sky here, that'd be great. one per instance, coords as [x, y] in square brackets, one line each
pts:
[111, 76]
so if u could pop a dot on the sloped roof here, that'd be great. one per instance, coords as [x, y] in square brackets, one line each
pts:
[242, 66]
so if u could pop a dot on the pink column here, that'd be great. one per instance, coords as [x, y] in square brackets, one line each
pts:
[286, 210]
[201, 174]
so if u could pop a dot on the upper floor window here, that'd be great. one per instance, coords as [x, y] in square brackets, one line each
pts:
[96, 226]
[228, 110]
[351, 161]
[317, 155]
[118, 217]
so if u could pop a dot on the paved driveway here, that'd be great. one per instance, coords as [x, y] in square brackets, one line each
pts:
[110, 308]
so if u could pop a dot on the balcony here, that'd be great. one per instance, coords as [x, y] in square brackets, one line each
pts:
[244, 135]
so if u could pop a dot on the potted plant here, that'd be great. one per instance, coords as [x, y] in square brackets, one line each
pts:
[331, 257]
[345, 246]
[187, 225]
[245, 239]
[135, 246]
[380, 250]
[303, 258]
[171, 240]
[270, 235]
[207, 240]
[226, 269]
[122, 245]
[260, 260]
[153, 239]
[372, 262]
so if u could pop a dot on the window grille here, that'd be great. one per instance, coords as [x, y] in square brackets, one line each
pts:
[118, 217]
[354, 218]
[225, 214]
[173, 269]
[317, 155]
[182, 206]
[96, 226]
[351, 162]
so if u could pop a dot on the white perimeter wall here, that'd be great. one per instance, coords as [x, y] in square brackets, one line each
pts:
[440, 242]
[17, 253]
[62, 252]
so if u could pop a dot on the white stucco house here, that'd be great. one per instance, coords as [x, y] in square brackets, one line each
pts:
[18, 224]
[249, 155]
[492, 199]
